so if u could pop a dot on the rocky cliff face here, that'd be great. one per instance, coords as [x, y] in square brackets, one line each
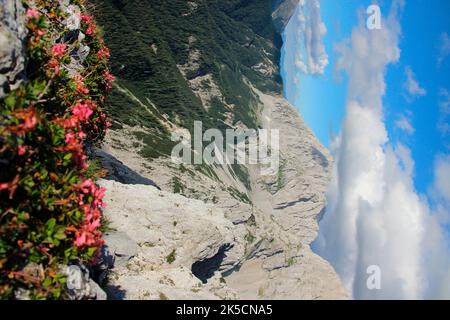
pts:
[12, 37]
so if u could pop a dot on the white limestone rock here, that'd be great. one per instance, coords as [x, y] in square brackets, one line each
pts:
[80, 286]
[163, 235]
[12, 41]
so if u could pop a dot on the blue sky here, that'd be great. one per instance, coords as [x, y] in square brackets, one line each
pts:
[321, 98]
[380, 100]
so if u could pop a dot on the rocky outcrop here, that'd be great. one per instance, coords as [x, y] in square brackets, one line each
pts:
[12, 38]
[283, 12]
[13, 34]
[80, 286]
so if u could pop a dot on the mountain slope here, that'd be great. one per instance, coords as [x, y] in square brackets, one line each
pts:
[217, 62]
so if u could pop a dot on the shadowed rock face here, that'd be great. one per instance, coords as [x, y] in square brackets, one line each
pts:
[117, 171]
[205, 269]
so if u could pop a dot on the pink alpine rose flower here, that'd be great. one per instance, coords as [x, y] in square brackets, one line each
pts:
[109, 78]
[32, 13]
[22, 150]
[40, 32]
[82, 111]
[91, 30]
[70, 138]
[59, 50]
[87, 19]
[103, 53]
[81, 239]
[81, 88]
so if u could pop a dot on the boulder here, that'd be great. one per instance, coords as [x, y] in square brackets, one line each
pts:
[80, 286]
[12, 40]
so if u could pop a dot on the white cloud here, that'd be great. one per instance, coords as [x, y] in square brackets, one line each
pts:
[311, 57]
[374, 215]
[404, 123]
[437, 243]
[412, 86]
[442, 177]
[444, 108]
[444, 47]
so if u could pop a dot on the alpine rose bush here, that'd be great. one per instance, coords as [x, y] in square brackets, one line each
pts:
[50, 209]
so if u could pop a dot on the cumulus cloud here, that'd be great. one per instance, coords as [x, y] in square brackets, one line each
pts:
[442, 177]
[404, 123]
[412, 86]
[311, 57]
[444, 48]
[374, 216]
[437, 242]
